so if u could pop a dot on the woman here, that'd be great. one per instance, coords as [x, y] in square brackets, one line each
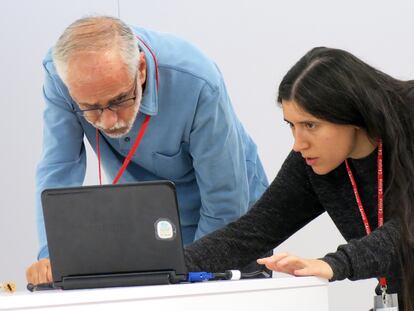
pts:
[351, 124]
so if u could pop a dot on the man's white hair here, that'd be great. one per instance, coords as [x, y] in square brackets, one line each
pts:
[96, 34]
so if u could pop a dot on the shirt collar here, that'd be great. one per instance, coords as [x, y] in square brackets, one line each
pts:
[149, 103]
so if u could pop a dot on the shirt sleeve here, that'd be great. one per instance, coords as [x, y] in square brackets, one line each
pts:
[219, 161]
[374, 255]
[286, 206]
[63, 160]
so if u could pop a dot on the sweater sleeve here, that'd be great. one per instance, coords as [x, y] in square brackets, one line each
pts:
[374, 255]
[286, 206]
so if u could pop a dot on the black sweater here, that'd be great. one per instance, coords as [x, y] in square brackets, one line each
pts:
[297, 196]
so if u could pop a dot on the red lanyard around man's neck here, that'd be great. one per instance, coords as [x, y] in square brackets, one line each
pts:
[131, 152]
[368, 230]
[140, 134]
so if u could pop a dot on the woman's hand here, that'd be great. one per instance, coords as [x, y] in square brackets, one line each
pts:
[297, 266]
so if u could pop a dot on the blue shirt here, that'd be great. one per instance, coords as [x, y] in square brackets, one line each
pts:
[193, 139]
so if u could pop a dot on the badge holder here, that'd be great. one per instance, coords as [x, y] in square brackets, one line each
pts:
[386, 302]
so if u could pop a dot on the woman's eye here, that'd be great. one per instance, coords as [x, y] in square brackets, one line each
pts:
[310, 125]
[290, 124]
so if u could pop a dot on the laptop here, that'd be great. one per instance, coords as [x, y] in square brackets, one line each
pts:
[114, 235]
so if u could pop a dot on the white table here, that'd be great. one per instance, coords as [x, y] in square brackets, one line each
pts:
[284, 294]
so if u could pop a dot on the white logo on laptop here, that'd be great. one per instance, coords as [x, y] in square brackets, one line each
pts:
[164, 229]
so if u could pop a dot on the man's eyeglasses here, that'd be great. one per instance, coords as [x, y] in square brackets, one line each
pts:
[113, 106]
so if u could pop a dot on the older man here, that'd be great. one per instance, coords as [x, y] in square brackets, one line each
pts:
[123, 87]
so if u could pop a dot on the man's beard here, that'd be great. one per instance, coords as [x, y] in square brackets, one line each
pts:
[122, 127]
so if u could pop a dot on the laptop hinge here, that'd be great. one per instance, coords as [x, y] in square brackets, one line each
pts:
[114, 280]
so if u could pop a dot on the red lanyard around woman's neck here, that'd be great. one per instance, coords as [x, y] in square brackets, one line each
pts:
[368, 230]
[140, 134]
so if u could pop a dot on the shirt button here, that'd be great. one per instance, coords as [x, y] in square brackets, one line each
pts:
[127, 139]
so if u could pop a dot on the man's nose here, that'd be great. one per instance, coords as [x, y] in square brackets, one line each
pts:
[108, 118]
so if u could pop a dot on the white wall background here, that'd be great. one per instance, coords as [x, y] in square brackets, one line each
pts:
[253, 42]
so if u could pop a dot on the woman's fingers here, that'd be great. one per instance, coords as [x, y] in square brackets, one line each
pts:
[289, 264]
[273, 258]
[278, 262]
